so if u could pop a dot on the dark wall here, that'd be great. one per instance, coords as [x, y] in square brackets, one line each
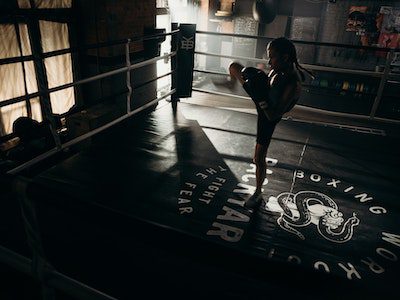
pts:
[243, 7]
[110, 20]
[298, 19]
[303, 8]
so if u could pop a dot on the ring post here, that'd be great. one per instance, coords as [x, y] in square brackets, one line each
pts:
[384, 78]
[174, 62]
[186, 47]
[128, 77]
[40, 267]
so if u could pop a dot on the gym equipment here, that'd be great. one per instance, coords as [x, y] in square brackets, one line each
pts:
[362, 87]
[315, 82]
[264, 11]
[324, 83]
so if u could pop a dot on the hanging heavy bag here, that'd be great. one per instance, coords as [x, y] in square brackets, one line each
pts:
[264, 11]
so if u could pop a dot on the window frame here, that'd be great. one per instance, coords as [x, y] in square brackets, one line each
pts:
[14, 15]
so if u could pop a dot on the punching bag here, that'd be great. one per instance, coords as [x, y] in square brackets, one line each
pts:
[264, 11]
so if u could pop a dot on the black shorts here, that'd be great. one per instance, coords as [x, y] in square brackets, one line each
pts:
[265, 128]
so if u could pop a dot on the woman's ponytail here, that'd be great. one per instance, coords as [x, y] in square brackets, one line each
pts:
[284, 46]
[300, 69]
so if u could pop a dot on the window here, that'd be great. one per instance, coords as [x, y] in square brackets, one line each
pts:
[16, 78]
[21, 36]
[54, 36]
[161, 3]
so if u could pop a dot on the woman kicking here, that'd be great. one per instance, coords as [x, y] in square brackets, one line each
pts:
[273, 94]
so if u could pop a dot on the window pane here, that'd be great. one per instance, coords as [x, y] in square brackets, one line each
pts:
[8, 41]
[30, 76]
[53, 3]
[24, 4]
[62, 101]
[161, 3]
[58, 69]
[12, 81]
[9, 113]
[36, 110]
[59, 72]
[25, 43]
[54, 36]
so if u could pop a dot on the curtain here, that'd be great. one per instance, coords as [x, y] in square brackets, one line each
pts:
[10, 113]
[25, 42]
[54, 36]
[8, 41]
[59, 72]
[45, 3]
[36, 109]
[53, 3]
[12, 75]
[58, 68]
[24, 4]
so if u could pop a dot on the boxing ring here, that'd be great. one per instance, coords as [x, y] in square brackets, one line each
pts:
[154, 205]
[370, 113]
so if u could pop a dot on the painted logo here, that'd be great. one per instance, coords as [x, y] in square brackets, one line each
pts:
[310, 207]
[298, 214]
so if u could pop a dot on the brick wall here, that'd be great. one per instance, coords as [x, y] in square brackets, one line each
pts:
[107, 20]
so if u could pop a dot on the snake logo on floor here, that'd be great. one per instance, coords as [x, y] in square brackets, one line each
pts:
[309, 207]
